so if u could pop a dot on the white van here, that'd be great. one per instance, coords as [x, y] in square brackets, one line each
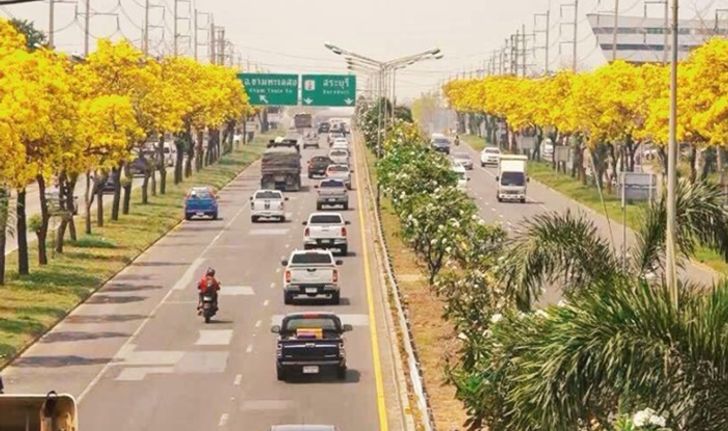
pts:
[170, 153]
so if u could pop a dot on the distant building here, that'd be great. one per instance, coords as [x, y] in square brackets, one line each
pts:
[642, 39]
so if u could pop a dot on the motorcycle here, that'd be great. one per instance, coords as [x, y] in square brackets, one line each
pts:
[209, 304]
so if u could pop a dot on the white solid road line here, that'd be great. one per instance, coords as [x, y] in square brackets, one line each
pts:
[238, 380]
[223, 420]
[249, 349]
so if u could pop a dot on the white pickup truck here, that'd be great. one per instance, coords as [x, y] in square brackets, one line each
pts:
[326, 230]
[311, 273]
[267, 204]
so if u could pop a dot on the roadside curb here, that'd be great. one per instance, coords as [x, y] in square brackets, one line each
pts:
[403, 331]
[103, 283]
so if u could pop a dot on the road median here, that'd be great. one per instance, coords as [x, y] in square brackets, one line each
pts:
[31, 305]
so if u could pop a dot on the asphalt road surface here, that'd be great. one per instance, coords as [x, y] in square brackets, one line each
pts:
[541, 199]
[138, 357]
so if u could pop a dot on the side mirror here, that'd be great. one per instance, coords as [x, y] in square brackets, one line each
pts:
[528, 179]
[469, 178]
[347, 222]
[284, 262]
[286, 198]
[251, 198]
[304, 223]
[339, 262]
[315, 186]
[347, 328]
[497, 178]
[276, 329]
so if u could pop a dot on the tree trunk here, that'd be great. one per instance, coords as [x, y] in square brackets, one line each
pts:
[200, 160]
[100, 207]
[91, 186]
[693, 160]
[127, 188]
[180, 156]
[44, 219]
[190, 152]
[4, 210]
[162, 166]
[72, 204]
[145, 188]
[21, 232]
[66, 211]
[115, 204]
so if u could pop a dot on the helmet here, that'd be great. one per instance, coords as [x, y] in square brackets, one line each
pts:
[210, 272]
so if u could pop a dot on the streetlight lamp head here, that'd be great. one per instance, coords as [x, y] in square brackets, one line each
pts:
[439, 56]
[435, 51]
[333, 48]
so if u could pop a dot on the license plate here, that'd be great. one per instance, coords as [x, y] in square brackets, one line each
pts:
[325, 241]
[311, 290]
[310, 369]
[199, 213]
[332, 200]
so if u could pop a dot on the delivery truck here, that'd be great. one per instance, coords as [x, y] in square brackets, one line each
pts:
[512, 178]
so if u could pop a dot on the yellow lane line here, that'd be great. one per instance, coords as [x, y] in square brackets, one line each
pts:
[378, 381]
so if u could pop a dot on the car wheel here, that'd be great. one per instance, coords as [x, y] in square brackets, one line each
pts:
[287, 298]
[207, 319]
[482, 165]
[336, 298]
[188, 217]
[310, 176]
[523, 201]
[214, 216]
[344, 250]
[281, 374]
[341, 373]
[318, 207]
[499, 199]
[345, 206]
[254, 219]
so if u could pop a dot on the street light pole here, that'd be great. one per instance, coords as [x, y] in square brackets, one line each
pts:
[671, 264]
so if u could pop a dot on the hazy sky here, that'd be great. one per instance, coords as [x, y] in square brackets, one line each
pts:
[288, 35]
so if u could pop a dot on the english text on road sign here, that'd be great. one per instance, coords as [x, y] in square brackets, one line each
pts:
[271, 88]
[328, 90]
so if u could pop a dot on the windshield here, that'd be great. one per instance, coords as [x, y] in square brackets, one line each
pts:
[441, 141]
[513, 179]
[292, 324]
[461, 156]
[268, 195]
[311, 258]
[492, 151]
[325, 219]
[339, 153]
[200, 194]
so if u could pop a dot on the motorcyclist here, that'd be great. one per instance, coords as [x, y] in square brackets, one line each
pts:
[208, 285]
[457, 139]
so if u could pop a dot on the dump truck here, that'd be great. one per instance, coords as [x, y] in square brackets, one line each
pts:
[281, 169]
[43, 412]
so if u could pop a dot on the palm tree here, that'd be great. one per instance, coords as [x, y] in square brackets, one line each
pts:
[619, 343]
[566, 248]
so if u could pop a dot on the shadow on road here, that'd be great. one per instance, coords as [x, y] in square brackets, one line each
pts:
[66, 336]
[352, 376]
[125, 287]
[105, 299]
[57, 361]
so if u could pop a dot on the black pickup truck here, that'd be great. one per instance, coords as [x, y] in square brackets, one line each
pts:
[310, 343]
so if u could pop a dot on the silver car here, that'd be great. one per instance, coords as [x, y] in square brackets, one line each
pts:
[464, 160]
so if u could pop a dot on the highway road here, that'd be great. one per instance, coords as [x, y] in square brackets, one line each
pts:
[541, 199]
[138, 357]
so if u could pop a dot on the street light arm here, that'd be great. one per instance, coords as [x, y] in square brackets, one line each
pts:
[416, 57]
[341, 51]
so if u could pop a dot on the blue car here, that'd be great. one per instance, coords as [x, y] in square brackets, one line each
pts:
[201, 202]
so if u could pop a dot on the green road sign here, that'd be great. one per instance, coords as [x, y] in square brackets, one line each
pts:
[271, 88]
[328, 90]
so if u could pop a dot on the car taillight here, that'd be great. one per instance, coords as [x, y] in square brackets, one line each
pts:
[336, 276]
[288, 276]
[306, 232]
[343, 231]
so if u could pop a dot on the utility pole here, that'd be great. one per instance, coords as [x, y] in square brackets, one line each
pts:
[195, 41]
[523, 46]
[212, 41]
[545, 31]
[614, 30]
[86, 29]
[174, 28]
[576, 34]
[221, 44]
[575, 24]
[51, 22]
[145, 41]
[671, 258]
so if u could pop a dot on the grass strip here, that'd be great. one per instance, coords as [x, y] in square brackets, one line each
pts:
[434, 337]
[32, 304]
